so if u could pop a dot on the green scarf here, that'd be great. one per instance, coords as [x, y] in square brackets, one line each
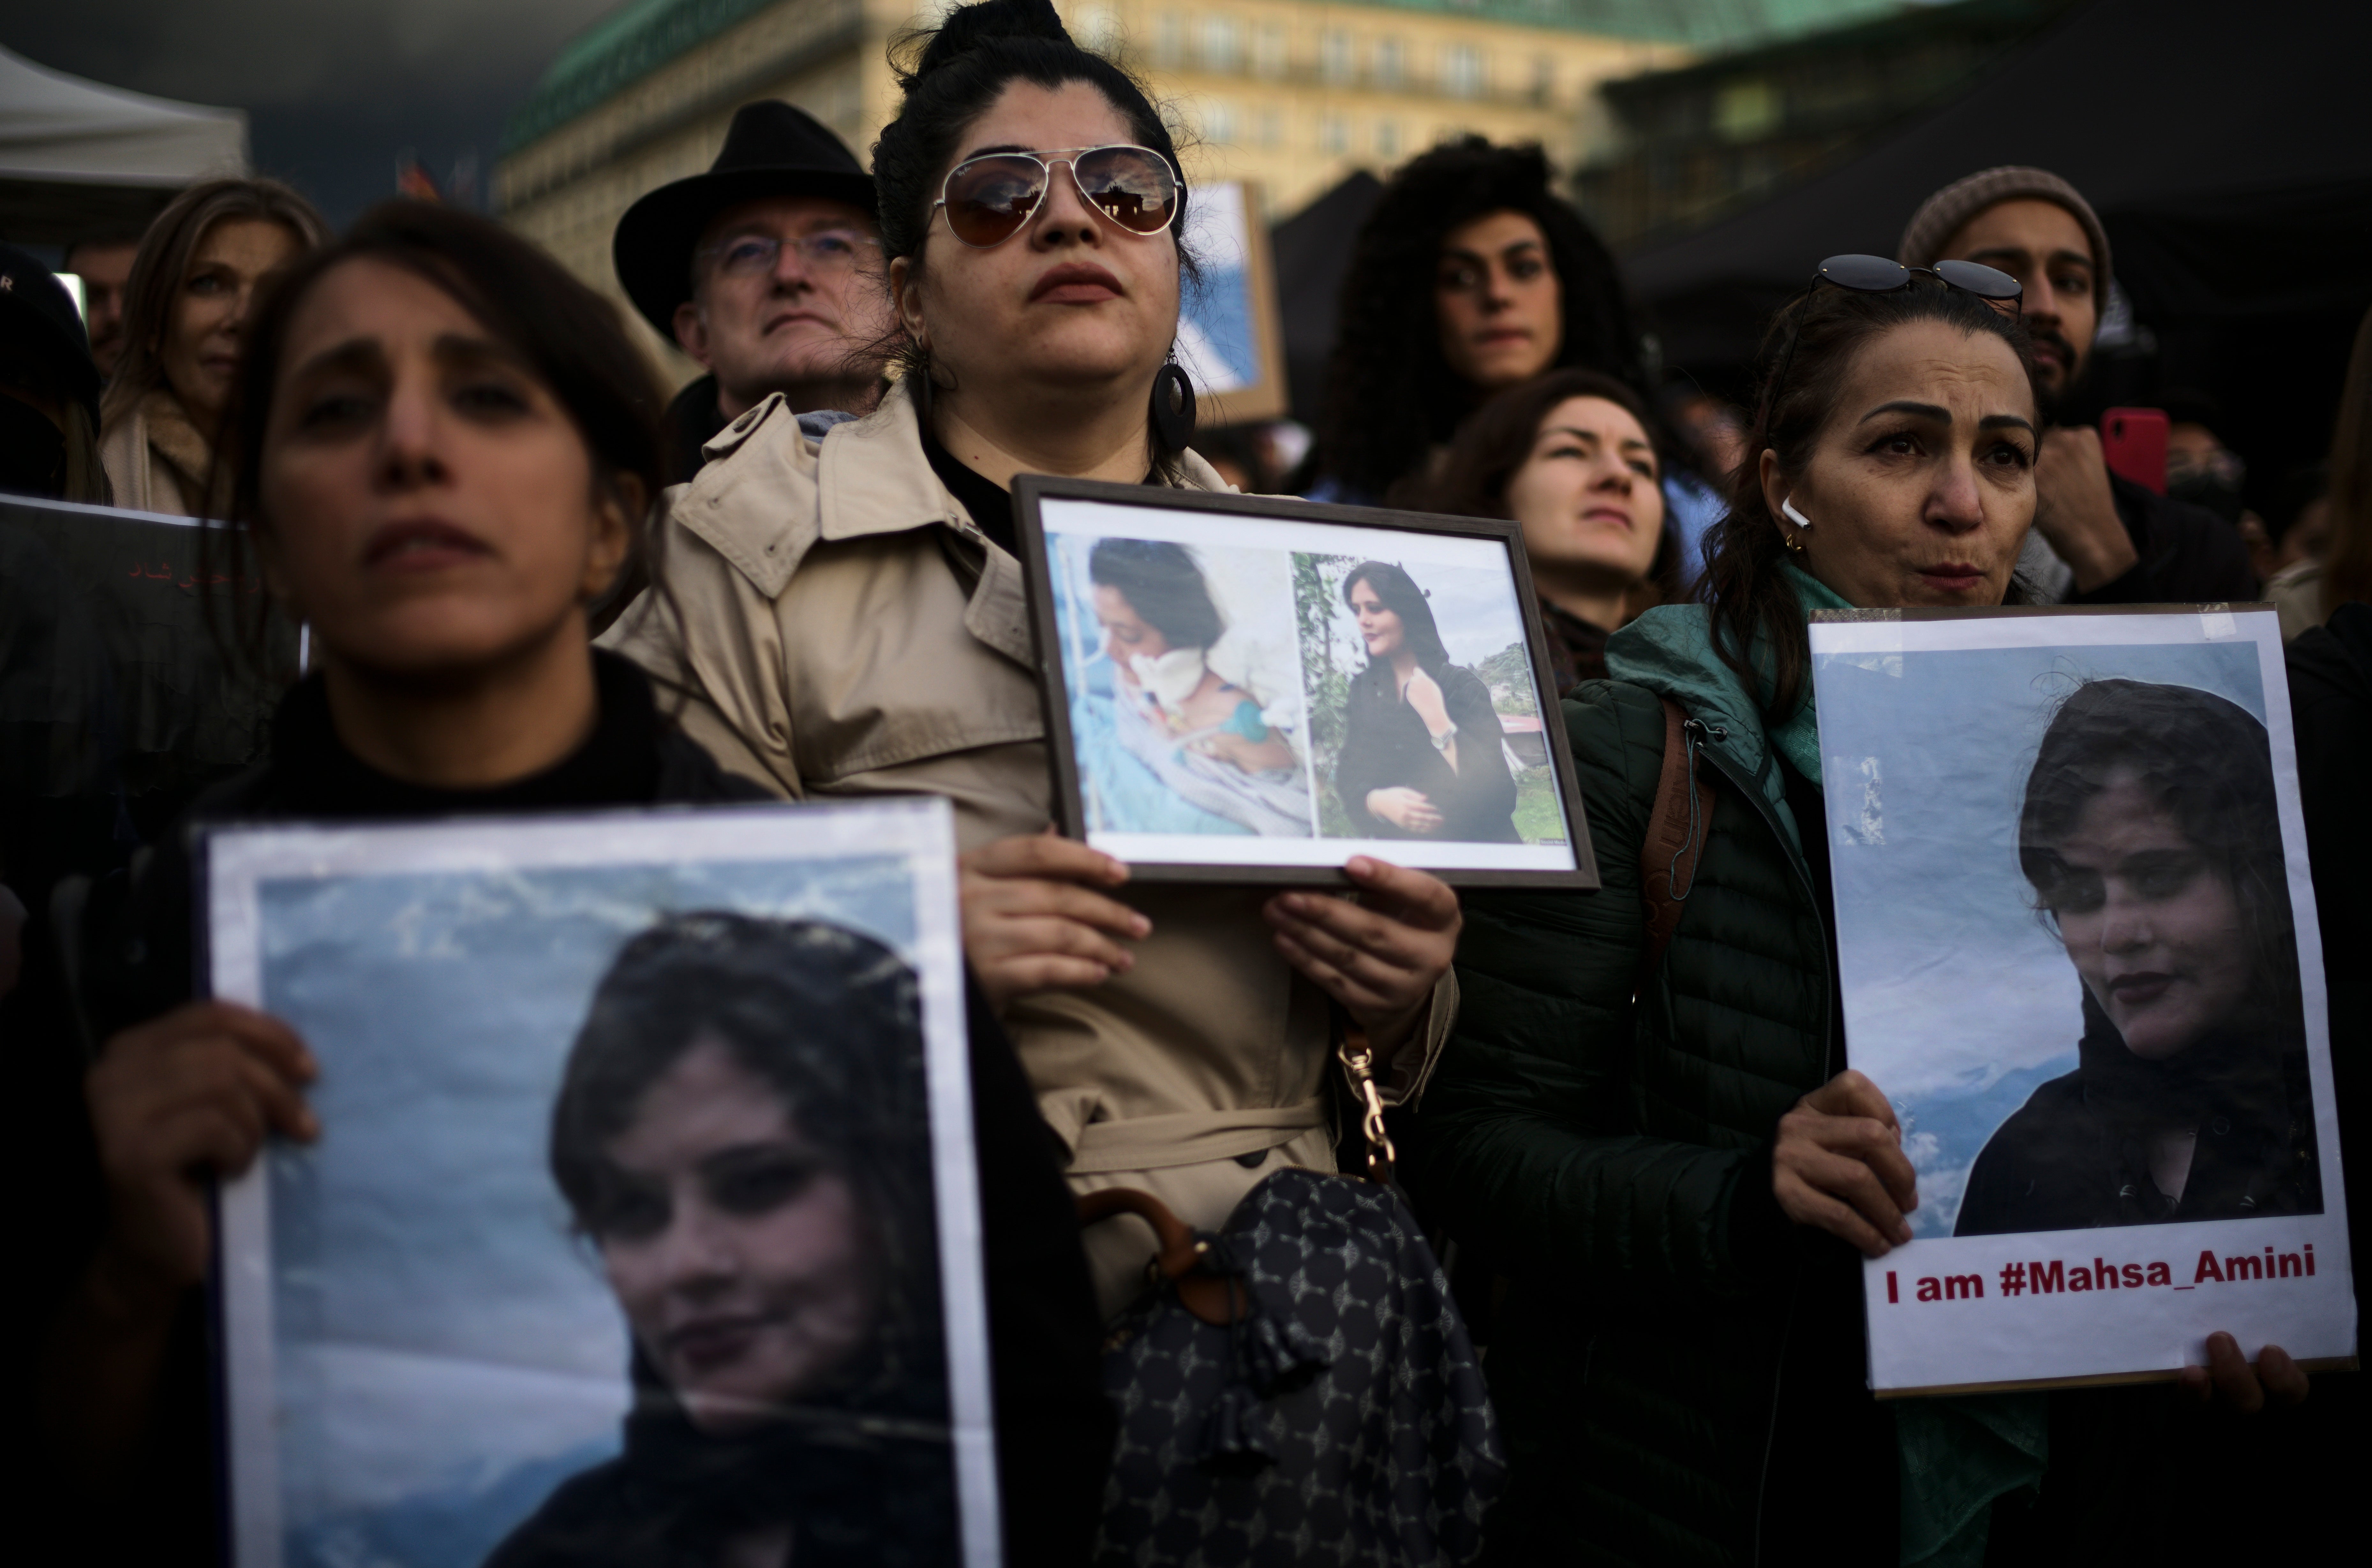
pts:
[1798, 739]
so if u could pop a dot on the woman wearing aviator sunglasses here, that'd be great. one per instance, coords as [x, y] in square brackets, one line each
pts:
[853, 623]
[1673, 1165]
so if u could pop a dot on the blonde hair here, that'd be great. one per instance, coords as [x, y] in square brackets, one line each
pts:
[164, 261]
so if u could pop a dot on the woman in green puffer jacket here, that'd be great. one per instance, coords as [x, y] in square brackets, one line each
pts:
[1675, 1171]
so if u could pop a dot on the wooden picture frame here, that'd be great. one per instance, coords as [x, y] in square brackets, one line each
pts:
[1273, 571]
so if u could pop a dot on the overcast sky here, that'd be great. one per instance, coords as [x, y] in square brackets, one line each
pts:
[334, 90]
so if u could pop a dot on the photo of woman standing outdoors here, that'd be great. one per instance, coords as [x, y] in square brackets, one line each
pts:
[1424, 753]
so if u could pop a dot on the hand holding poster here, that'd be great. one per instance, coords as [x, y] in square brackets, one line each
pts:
[2079, 949]
[642, 1222]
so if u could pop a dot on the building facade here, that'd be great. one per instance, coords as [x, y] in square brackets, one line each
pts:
[1289, 94]
[1690, 146]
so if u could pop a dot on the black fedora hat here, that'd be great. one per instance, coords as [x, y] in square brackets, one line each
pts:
[773, 149]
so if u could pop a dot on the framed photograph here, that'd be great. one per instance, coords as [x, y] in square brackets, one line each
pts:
[1231, 339]
[1255, 689]
[2077, 934]
[642, 1224]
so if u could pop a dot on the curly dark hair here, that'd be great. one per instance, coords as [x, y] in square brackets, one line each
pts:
[1390, 394]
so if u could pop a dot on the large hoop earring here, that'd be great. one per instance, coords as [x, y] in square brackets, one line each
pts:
[1173, 408]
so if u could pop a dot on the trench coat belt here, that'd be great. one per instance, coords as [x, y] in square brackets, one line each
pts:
[1190, 1137]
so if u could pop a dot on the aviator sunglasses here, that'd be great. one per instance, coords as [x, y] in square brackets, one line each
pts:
[1876, 274]
[989, 198]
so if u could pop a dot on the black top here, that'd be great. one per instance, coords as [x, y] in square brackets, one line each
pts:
[1054, 1429]
[1577, 648]
[990, 504]
[2075, 1154]
[1385, 745]
[2188, 554]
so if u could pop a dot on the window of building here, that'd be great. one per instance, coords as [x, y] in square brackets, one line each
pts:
[1544, 77]
[1222, 44]
[1391, 63]
[1388, 139]
[1169, 40]
[1746, 109]
[1461, 70]
[1334, 55]
[1269, 50]
[1333, 136]
[1272, 128]
[1219, 122]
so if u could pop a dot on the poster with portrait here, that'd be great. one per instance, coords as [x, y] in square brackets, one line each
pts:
[642, 1222]
[2077, 938]
[1257, 689]
[1231, 339]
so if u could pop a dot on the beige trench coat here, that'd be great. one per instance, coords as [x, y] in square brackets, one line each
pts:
[843, 629]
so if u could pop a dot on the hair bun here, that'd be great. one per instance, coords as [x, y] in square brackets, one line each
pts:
[967, 27]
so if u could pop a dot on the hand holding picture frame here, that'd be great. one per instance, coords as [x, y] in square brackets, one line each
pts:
[643, 1207]
[1252, 689]
[2079, 955]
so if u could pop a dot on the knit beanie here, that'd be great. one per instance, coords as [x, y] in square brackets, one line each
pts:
[1941, 215]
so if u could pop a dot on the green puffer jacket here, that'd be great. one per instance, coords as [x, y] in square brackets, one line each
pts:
[1612, 1158]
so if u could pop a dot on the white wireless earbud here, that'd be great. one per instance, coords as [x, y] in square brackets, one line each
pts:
[1788, 506]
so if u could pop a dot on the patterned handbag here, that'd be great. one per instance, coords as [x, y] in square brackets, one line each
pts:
[1298, 1388]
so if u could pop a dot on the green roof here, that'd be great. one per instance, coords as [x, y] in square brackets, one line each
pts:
[642, 35]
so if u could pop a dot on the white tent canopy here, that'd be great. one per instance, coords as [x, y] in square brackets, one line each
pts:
[76, 157]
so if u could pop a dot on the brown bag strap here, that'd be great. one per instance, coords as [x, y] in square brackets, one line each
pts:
[1677, 829]
[1215, 1298]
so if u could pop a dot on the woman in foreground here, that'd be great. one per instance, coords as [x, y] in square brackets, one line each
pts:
[854, 607]
[1675, 1168]
[445, 447]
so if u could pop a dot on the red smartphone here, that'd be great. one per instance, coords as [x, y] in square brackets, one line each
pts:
[2133, 442]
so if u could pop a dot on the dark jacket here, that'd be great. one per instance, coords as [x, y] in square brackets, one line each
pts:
[2187, 554]
[1385, 745]
[1611, 1153]
[1054, 1429]
[2075, 1154]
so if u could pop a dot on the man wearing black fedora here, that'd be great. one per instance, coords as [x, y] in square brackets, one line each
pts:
[766, 270]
